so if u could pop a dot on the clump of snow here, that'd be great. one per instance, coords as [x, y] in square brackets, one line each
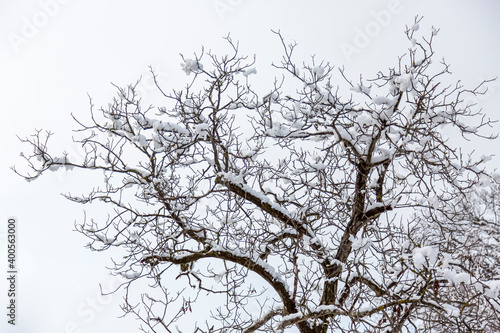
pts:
[292, 316]
[140, 140]
[298, 124]
[492, 288]
[325, 308]
[378, 100]
[296, 108]
[169, 127]
[404, 82]
[191, 65]
[415, 27]
[318, 71]
[365, 119]
[361, 89]
[103, 238]
[360, 243]
[117, 124]
[250, 71]
[319, 166]
[278, 130]
[455, 277]
[202, 130]
[451, 310]
[425, 256]
[233, 178]
[270, 98]
[131, 275]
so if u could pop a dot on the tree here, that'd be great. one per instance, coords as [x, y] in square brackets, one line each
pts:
[301, 210]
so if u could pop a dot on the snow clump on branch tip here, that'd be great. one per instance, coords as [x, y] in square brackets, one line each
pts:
[191, 65]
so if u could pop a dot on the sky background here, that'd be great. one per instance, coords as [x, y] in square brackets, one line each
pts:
[55, 53]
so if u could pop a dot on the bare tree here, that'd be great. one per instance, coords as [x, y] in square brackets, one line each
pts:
[301, 210]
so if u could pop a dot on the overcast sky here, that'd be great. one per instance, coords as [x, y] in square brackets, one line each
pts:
[54, 53]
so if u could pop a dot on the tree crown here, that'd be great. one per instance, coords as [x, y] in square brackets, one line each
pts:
[297, 209]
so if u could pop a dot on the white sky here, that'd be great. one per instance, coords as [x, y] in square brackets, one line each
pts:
[82, 46]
